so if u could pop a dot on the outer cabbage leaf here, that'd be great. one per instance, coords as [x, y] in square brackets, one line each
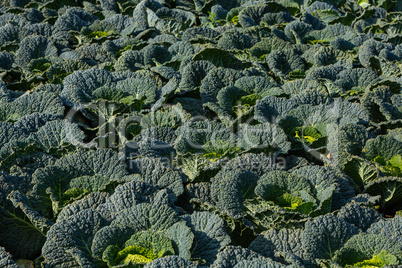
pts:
[231, 255]
[183, 51]
[149, 147]
[195, 33]
[322, 237]
[170, 262]
[127, 195]
[259, 263]
[164, 134]
[264, 137]
[269, 44]
[19, 233]
[215, 80]
[57, 136]
[142, 88]
[219, 58]
[209, 233]
[331, 32]
[266, 214]
[390, 228]
[158, 174]
[348, 141]
[323, 56]
[74, 19]
[382, 146]
[68, 241]
[39, 102]
[324, 117]
[79, 86]
[252, 15]
[130, 60]
[192, 136]
[156, 55]
[100, 162]
[118, 23]
[356, 80]
[171, 116]
[182, 239]
[229, 189]
[8, 133]
[199, 168]
[236, 39]
[197, 192]
[7, 60]
[174, 20]
[34, 47]
[192, 75]
[256, 163]
[59, 70]
[382, 104]
[296, 30]
[371, 49]
[359, 215]
[273, 241]
[91, 201]
[270, 107]
[284, 62]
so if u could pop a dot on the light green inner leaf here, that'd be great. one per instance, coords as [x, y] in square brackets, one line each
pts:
[245, 103]
[98, 34]
[293, 203]
[297, 74]
[380, 260]
[307, 134]
[392, 167]
[143, 247]
[314, 42]
[137, 255]
[71, 195]
[134, 102]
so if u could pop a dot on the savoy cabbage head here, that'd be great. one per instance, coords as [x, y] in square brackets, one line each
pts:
[137, 235]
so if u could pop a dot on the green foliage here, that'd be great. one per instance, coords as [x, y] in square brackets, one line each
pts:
[136, 133]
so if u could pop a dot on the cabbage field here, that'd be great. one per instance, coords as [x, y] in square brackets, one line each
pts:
[200, 133]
